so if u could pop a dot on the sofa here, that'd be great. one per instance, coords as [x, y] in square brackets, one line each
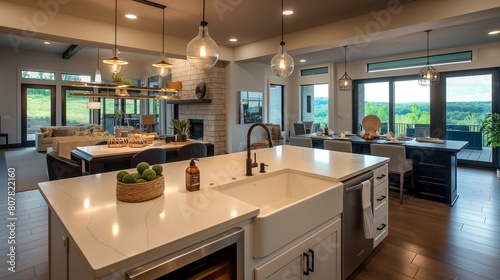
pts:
[45, 137]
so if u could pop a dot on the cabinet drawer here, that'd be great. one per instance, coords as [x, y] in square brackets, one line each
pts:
[380, 175]
[431, 188]
[380, 199]
[381, 223]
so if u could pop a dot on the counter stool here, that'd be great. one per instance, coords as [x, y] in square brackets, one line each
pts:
[6, 135]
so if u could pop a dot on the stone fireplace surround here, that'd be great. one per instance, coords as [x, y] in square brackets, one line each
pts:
[213, 114]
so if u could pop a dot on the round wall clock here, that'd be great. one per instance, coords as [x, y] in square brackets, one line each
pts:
[201, 90]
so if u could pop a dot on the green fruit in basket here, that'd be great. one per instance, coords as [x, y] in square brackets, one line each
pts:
[129, 179]
[149, 174]
[137, 176]
[120, 175]
[158, 169]
[141, 181]
[142, 166]
[157, 176]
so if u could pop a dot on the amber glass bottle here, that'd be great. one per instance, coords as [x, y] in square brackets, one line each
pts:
[192, 177]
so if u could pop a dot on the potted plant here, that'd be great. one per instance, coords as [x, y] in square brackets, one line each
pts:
[121, 82]
[181, 129]
[491, 129]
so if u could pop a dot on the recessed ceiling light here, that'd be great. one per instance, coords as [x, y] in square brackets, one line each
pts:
[287, 12]
[494, 32]
[302, 60]
[233, 40]
[46, 43]
[130, 16]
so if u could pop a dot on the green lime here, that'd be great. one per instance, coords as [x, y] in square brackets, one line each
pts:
[137, 176]
[142, 166]
[120, 175]
[158, 169]
[129, 179]
[141, 181]
[149, 174]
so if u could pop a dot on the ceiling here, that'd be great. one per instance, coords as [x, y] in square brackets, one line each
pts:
[257, 20]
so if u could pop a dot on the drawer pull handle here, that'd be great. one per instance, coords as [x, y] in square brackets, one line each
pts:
[381, 227]
[381, 176]
[312, 261]
[306, 267]
[381, 198]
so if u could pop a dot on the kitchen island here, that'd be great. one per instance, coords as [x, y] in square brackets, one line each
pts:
[94, 236]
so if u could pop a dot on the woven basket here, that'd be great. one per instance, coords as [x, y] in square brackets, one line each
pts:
[140, 192]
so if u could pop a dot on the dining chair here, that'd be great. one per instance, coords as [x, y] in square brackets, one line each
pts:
[151, 156]
[308, 126]
[398, 163]
[338, 145]
[193, 150]
[301, 141]
[315, 127]
[59, 167]
[299, 128]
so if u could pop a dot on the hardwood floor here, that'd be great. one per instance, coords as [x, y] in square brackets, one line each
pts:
[484, 154]
[427, 240]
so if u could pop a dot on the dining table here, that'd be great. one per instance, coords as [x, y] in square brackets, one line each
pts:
[101, 158]
[434, 161]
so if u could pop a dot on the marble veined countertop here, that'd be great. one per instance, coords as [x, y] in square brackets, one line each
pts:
[112, 235]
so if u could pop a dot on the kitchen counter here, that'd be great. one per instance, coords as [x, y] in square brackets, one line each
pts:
[111, 235]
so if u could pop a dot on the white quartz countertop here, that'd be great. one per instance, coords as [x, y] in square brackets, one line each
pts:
[112, 235]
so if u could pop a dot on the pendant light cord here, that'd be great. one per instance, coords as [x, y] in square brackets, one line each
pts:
[163, 33]
[282, 30]
[345, 59]
[203, 10]
[116, 23]
[427, 31]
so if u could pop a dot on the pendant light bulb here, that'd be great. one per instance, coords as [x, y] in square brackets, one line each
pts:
[163, 66]
[345, 82]
[202, 52]
[115, 64]
[428, 76]
[282, 63]
[97, 73]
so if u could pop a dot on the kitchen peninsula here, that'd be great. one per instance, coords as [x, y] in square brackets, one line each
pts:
[94, 236]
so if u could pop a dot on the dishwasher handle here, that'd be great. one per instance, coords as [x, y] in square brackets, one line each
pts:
[353, 188]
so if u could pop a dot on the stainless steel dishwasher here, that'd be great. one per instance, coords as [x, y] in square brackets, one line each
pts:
[355, 247]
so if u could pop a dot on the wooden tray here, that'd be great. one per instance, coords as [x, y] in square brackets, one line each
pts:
[181, 143]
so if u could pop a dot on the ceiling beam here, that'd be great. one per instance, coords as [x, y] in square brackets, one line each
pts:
[71, 51]
[149, 3]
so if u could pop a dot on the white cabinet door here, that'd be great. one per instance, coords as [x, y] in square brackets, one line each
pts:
[58, 250]
[324, 244]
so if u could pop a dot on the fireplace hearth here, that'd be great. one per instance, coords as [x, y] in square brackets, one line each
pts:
[196, 130]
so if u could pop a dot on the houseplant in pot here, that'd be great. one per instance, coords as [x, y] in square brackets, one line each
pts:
[491, 129]
[181, 129]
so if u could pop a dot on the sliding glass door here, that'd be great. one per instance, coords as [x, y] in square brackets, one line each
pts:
[38, 109]
[468, 100]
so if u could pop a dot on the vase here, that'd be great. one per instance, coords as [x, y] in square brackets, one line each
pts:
[180, 138]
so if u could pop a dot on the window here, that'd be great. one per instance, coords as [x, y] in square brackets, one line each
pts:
[276, 105]
[314, 103]
[411, 109]
[374, 100]
[38, 75]
[314, 71]
[416, 62]
[76, 78]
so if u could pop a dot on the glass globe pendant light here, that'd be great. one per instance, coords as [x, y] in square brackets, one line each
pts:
[163, 65]
[345, 82]
[282, 63]
[428, 75]
[115, 64]
[202, 52]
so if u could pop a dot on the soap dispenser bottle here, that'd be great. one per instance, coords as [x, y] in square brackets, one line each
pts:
[192, 176]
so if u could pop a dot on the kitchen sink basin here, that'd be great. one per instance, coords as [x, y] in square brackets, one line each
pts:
[291, 204]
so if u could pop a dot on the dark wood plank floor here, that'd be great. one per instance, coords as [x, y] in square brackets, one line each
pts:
[427, 240]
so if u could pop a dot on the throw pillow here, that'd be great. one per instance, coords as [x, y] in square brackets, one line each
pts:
[46, 132]
[60, 132]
